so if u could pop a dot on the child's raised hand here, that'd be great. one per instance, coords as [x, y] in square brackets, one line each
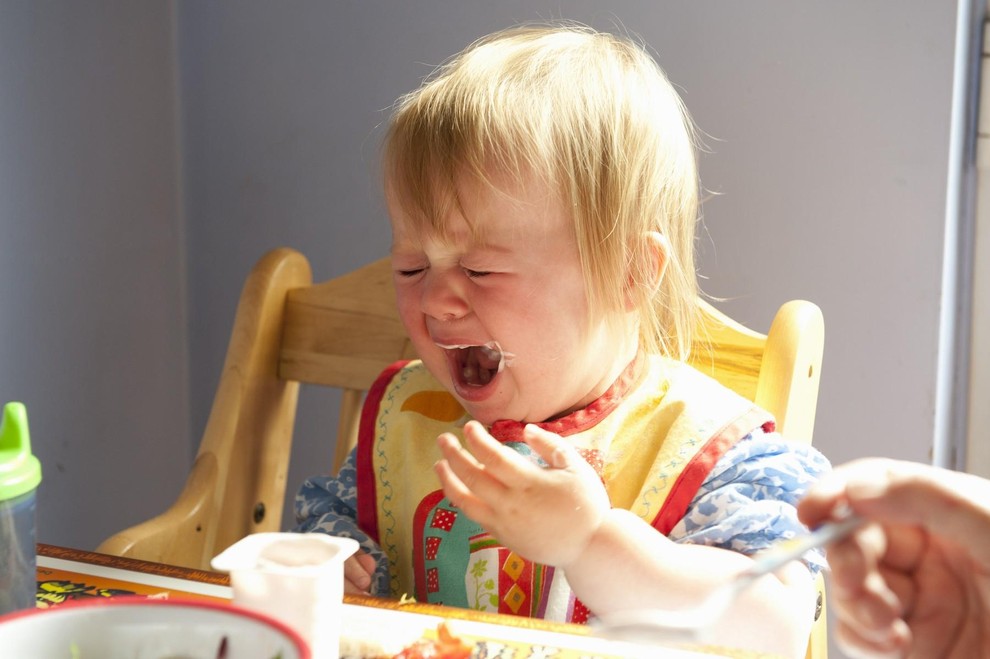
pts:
[546, 515]
[358, 570]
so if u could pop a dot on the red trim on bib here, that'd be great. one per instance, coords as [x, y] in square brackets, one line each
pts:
[367, 500]
[419, 543]
[506, 430]
[686, 487]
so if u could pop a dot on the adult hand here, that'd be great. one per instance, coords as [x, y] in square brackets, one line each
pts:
[546, 515]
[914, 581]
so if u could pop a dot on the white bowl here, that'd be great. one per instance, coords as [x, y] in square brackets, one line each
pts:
[138, 628]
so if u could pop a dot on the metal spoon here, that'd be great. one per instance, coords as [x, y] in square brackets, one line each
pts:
[691, 625]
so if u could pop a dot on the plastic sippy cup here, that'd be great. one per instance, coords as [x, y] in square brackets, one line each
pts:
[20, 473]
[297, 578]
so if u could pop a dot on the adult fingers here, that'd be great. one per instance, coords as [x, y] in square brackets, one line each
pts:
[950, 504]
[904, 587]
[823, 499]
[862, 596]
[873, 609]
[854, 557]
[855, 643]
[906, 546]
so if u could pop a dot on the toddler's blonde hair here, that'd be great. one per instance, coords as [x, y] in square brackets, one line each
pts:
[594, 116]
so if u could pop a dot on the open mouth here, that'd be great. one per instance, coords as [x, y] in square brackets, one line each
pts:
[476, 365]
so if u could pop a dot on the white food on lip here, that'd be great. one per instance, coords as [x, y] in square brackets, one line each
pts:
[492, 350]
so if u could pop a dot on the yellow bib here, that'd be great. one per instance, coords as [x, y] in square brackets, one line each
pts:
[653, 437]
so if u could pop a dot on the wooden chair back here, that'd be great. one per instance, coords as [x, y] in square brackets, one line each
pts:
[343, 333]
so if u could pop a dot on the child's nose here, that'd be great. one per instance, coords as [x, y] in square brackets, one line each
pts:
[443, 295]
[443, 298]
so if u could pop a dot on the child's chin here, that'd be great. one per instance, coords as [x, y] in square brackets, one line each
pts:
[481, 405]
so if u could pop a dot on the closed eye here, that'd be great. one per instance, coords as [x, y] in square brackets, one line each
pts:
[412, 272]
[475, 274]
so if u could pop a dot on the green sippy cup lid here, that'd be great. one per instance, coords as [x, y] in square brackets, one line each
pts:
[20, 472]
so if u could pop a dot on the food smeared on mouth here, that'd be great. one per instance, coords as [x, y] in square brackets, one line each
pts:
[477, 365]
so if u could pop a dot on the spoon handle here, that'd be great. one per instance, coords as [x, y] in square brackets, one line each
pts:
[784, 552]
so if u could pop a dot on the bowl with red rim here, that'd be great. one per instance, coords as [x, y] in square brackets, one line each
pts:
[141, 628]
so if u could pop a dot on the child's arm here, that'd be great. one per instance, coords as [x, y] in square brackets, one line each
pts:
[614, 561]
[328, 505]
[646, 570]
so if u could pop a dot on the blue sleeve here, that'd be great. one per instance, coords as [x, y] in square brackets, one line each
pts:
[329, 505]
[749, 499]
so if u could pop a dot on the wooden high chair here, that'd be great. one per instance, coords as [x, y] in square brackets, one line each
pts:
[342, 333]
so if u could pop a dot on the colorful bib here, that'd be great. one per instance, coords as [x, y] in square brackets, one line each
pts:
[653, 437]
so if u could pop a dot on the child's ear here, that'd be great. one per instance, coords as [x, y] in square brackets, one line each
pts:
[651, 267]
[658, 251]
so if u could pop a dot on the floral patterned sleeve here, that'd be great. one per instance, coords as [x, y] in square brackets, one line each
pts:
[749, 499]
[325, 504]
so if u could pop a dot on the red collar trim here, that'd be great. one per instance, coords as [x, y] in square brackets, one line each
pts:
[506, 430]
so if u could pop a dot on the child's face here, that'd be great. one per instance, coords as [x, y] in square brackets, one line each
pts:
[521, 287]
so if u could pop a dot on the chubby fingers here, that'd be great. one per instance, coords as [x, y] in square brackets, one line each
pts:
[556, 453]
[488, 462]
[504, 464]
[465, 481]
[471, 483]
[357, 572]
